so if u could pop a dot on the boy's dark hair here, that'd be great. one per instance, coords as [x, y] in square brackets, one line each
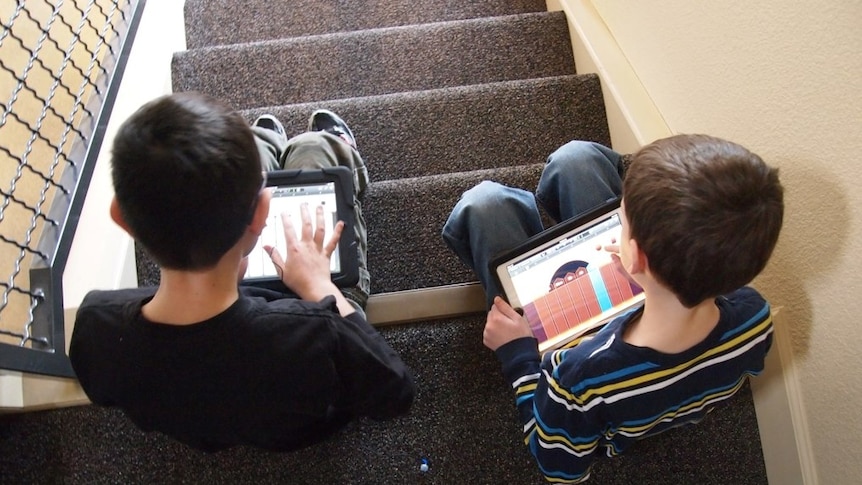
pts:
[187, 175]
[706, 212]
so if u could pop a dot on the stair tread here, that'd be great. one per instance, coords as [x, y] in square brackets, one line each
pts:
[464, 128]
[405, 217]
[256, 20]
[379, 61]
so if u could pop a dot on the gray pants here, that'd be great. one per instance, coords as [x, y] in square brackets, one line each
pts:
[318, 149]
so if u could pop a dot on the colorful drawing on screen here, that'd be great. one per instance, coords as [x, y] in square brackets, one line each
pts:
[577, 295]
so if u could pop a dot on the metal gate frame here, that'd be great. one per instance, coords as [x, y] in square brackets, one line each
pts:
[45, 332]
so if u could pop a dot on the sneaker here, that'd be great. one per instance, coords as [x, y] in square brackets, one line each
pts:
[269, 122]
[325, 120]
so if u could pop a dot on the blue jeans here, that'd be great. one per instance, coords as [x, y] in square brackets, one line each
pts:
[491, 218]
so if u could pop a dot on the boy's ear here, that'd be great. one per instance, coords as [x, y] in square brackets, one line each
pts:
[638, 258]
[261, 212]
[117, 216]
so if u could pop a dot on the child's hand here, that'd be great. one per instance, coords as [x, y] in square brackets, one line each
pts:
[503, 325]
[614, 249]
[305, 267]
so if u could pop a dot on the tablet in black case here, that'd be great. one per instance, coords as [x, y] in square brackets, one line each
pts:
[330, 187]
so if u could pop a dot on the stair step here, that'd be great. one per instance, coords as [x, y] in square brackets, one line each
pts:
[405, 218]
[379, 61]
[257, 20]
[464, 128]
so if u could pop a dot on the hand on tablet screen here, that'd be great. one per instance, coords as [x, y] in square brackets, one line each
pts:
[305, 266]
[614, 248]
[611, 246]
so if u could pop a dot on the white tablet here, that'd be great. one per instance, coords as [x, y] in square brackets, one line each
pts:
[564, 281]
[331, 188]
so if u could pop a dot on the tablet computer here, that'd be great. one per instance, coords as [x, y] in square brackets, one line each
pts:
[331, 188]
[564, 281]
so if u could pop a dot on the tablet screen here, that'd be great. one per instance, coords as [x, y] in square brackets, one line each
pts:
[330, 188]
[289, 199]
[568, 284]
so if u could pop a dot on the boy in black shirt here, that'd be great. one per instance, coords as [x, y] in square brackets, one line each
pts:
[200, 358]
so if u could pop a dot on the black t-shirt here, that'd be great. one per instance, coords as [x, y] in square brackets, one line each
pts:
[272, 372]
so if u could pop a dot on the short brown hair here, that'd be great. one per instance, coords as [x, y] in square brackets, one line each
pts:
[706, 212]
[186, 173]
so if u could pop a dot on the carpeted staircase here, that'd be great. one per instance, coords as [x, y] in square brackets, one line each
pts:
[440, 94]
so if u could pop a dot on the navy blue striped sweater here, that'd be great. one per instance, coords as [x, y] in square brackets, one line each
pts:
[600, 394]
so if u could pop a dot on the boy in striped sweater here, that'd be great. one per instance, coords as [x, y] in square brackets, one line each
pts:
[701, 218]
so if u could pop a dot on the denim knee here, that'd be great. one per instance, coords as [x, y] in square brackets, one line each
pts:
[483, 198]
[579, 176]
[490, 218]
[475, 206]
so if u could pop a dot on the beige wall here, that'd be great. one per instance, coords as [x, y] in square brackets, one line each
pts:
[782, 78]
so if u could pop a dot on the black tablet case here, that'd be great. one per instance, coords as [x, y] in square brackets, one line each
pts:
[348, 244]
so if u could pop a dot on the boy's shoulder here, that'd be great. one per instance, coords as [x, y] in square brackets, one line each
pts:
[101, 298]
[744, 311]
[257, 312]
[595, 354]
[744, 314]
[111, 305]
[123, 305]
[744, 299]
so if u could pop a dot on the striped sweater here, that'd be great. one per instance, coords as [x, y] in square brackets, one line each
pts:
[600, 394]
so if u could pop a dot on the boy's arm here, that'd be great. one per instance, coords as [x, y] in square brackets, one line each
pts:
[83, 355]
[375, 381]
[561, 435]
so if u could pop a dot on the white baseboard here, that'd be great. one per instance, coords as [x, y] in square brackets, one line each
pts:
[781, 415]
[29, 392]
[425, 303]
